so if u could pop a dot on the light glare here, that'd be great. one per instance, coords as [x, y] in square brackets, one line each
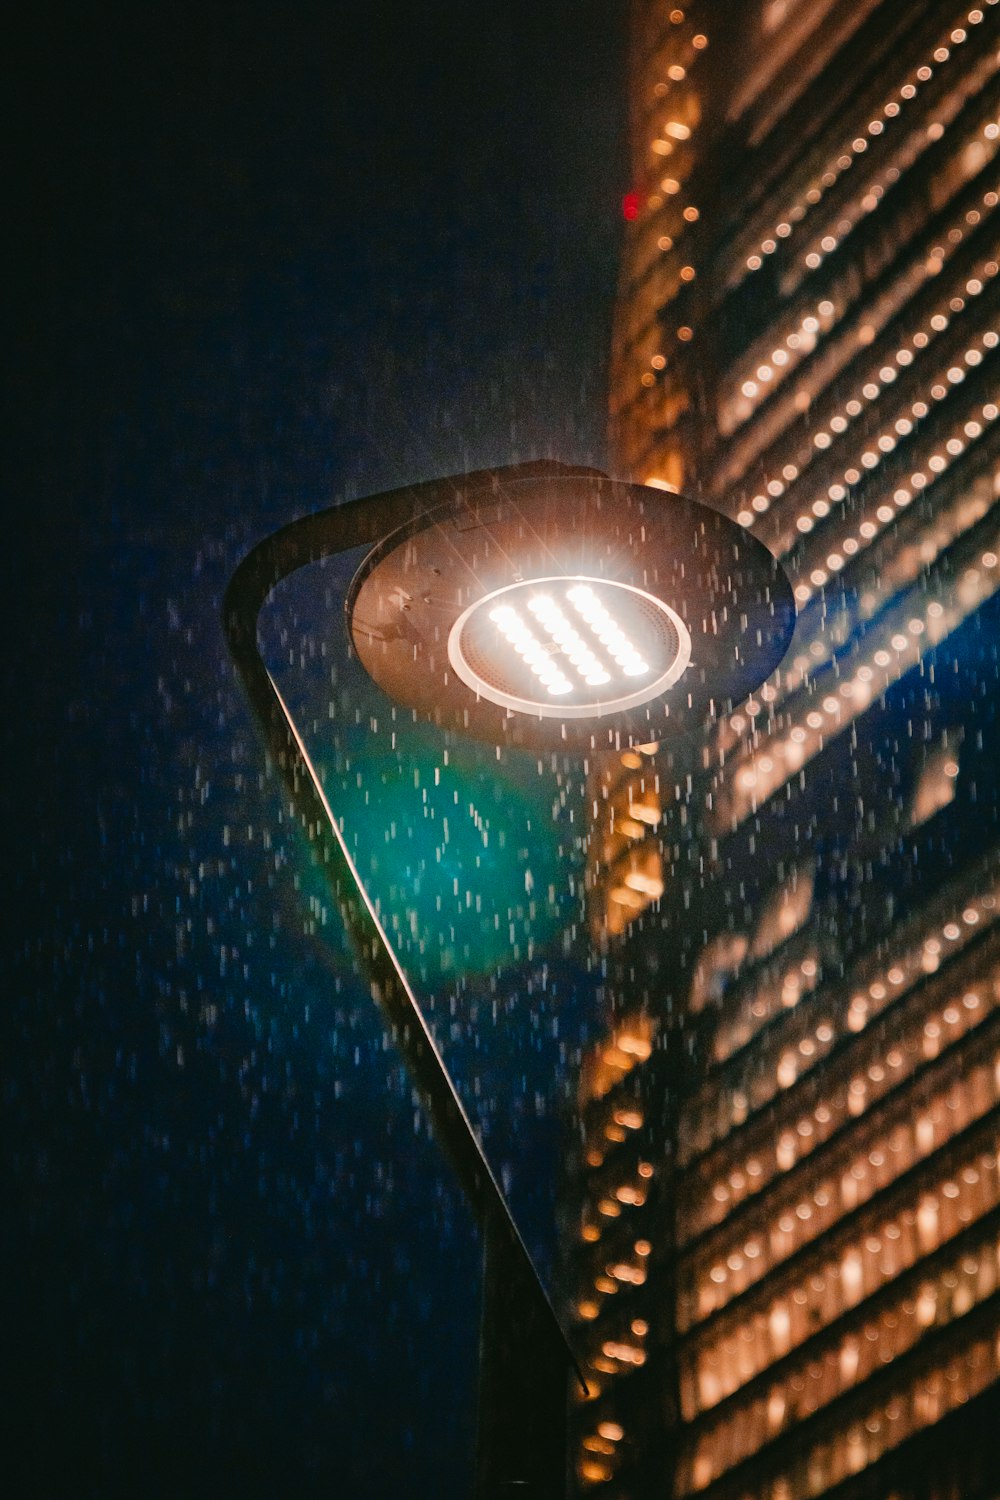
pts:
[574, 636]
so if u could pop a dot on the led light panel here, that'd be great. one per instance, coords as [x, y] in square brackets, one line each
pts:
[569, 647]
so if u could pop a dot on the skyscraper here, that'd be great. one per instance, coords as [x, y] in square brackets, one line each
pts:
[788, 1251]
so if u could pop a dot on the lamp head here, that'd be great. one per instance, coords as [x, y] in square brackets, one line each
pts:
[569, 610]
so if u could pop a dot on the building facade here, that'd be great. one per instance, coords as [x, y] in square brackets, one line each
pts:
[788, 1251]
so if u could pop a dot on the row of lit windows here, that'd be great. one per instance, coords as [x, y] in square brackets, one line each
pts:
[633, 883]
[929, 1293]
[685, 112]
[913, 337]
[765, 372]
[760, 776]
[618, 1259]
[763, 375]
[659, 259]
[944, 468]
[627, 1192]
[909, 151]
[626, 808]
[715, 1274]
[849, 1448]
[783, 984]
[598, 1450]
[946, 1293]
[962, 499]
[897, 420]
[894, 113]
[937, 783]
[918, 950]
[677, 107]
[780, 987]
[802, 338]
[618, 1262]
[618, 1349]
[925, 1033]
[677, 131]
[783, 912]
[620, 1344]
[931, 266]
[713, 1366]
[891, 648]
[927, 456]
[655, 260]
[611, 1060]
[817, 1378]
[612, 1357]
[866, 1256]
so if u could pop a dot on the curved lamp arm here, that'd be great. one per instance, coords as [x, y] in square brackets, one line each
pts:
[523, 1343]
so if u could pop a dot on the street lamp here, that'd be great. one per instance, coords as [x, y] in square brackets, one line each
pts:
[565, 609]
[536, 606]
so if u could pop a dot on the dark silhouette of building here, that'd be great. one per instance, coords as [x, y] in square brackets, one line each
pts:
[788, 1248]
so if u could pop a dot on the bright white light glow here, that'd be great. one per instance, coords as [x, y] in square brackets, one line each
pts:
[587, 604]
[531, 649]
[569, 646]
[549, 615]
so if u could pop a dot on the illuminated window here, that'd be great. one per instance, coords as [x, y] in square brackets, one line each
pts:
[785, 911]
[719, 962]
[937, 784]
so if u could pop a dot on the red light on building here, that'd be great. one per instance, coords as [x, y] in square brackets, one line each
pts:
[630, 206]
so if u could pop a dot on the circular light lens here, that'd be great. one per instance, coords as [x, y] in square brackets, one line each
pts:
[569, 647]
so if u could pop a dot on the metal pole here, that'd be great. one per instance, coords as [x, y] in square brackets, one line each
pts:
[524, 1357]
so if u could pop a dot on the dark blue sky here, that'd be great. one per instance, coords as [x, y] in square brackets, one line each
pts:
[268, 259]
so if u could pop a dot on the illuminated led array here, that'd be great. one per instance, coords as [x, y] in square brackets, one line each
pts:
[531, 650]
[607, 631]
[549, 615]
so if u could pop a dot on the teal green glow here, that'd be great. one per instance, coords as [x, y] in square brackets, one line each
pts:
[467, 859]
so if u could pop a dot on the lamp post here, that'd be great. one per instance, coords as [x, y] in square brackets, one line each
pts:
[536, 606]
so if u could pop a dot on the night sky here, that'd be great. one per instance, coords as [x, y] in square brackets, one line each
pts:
[268, 258]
